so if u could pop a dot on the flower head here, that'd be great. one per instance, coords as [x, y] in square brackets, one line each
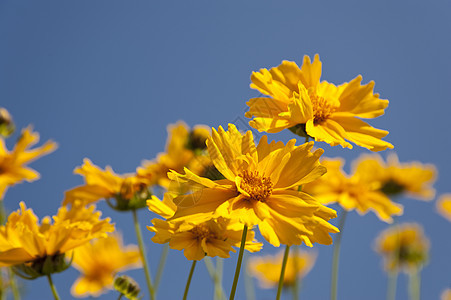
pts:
[258, 188]
[404, 247]
[267, 268]
[7, 126]
[13, 163]
[99, 261]
[444, 206]
[24, 241]
[299, 101]
[352, 191]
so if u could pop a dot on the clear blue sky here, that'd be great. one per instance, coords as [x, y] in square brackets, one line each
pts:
[104, 78]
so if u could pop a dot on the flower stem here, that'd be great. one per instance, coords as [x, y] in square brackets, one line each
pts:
[120, 296]
[249, 284]
[392, 282]
[414, 285]
[336, 256]
[142, 251]
[52, 286]
[282, 271]
[219, 292]
[161, 264]
[216, 277]
[188, 282]
[238, 264]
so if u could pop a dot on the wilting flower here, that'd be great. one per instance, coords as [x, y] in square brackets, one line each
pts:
[352, 191]
[13, 163]
[300, 102]
[404, 247]
[393, 178]
[267, 268]
[127, 287]
[99, 261]
[259, 189]
[444, 206]
[37, 250]
[129, 190]
[184, 148]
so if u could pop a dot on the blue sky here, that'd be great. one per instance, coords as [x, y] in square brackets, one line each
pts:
[105, 78]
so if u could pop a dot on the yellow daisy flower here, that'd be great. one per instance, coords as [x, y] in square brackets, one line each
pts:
[352, 192]
[13, 163]
[258, 189]
[267, 268]
[444, 206]
[300, 102]
[41, 248]
[404, 247]
[99, 261]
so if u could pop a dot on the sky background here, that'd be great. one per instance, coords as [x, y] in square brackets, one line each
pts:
[105, 78]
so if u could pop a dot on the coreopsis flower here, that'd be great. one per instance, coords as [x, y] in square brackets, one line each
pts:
[99, 261]
[444, 206]
[297, 100]
[7, 126]
[352, 191]
[129, 190]
[184, 148]
[39, 249]
[412, 179]
[13, 164]
[267, 268]
[258, 188]
[404, 247]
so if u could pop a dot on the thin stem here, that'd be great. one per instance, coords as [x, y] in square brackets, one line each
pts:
[238, 264]
[392, 283]
[295, 287]
[161, 264]
[219, 292]
[282, 271]
[213, 272]
[120, 296]
[142, 251]
[336, 256]
[188, 282]
[52, 286]
[249, 284]
[306, 139]
[414, 285]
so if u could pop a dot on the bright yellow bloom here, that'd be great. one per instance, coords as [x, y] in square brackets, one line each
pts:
[444, 206]
[404, 247]
[413, 179]
[259, 188]
[184, 148]
[24, 241]
[105, 184]
[13, 167]
[99, 261]
[267, 268]
[352, 192]
[299, 101]
[446, 295]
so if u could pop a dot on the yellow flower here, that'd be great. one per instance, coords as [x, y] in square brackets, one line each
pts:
[13, 167]
[7, 126]
[446, 295]
[404, 247]
[258, 189]
[299, 101]
[24, 241]
[444, 206]
[129, 190]
[352, 192]
[267, 268]
[99, 261]
[394, 178]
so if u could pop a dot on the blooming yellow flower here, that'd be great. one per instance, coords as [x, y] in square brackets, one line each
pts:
[99, 261]
[258, 189]
[404, 247]
[106, 184]
[352, 192]
[13, 163]
[413, 179]
[444, 206]
[267, 268]
[24, 241]
[299, 101]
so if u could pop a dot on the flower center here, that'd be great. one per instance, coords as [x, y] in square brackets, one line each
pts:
[203, 231]
[258, 187]
[321, 108]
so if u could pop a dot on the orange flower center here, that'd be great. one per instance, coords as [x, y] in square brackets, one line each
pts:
[258, 187]
[321, 108]
[203, 231]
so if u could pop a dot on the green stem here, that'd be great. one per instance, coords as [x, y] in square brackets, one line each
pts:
[217, 279]
[295, 287]
[336, 256]
[52, 286]
[249, 284]
[120, 297]
[238, 264]
[414, 285]
[161, 264]
[392, 282]
[306, 139]
[282, 271]
[219, 292]
[143, 255]
[188, 282]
